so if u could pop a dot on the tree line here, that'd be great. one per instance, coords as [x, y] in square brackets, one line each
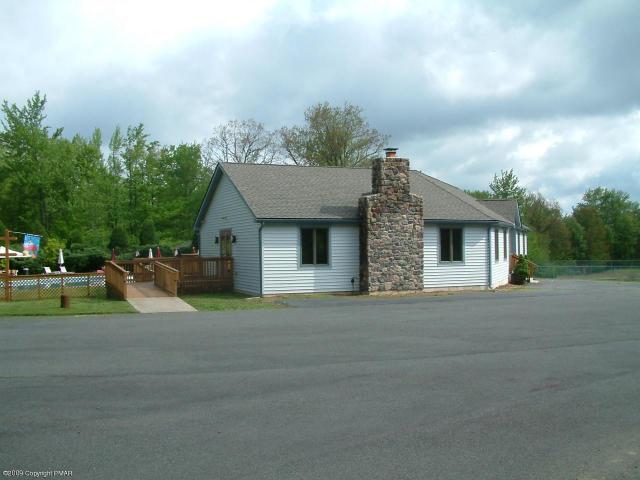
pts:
[604, 225]
[131, 192]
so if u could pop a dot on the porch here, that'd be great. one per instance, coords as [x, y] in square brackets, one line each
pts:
[172, 275]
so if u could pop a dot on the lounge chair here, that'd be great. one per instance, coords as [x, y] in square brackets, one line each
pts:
[63, 269]
[47, 270]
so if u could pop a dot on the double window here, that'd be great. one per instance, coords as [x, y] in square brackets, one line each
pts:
[450, 244]
[314, 246]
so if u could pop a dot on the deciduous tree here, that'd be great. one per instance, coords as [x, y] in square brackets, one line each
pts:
[240, 141]
[333, 136]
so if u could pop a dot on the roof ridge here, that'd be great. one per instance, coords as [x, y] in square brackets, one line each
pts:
[465, 197]
[295, 165]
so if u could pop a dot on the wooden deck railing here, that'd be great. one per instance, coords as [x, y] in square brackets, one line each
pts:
[138, 270]
[195, 273]
[205, 274]
[166, 278]
[116, 278]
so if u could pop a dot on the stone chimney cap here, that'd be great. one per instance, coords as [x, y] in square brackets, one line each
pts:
[390, 152]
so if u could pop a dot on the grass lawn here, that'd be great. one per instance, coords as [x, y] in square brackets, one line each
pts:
[619, 275]
[51, 306]
[229, 301]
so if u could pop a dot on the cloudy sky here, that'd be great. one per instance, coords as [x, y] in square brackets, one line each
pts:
[549, 88]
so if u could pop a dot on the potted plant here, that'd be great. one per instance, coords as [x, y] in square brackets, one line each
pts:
[520, 271]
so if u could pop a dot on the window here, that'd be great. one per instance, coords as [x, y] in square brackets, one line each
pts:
[314, 246]
[225, 243]
[450, 244]
[504, 243]
[496, 244]
[518, 238]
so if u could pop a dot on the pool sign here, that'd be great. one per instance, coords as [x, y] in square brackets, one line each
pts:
[31, 244]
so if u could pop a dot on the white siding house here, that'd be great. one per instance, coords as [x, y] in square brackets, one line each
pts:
[269, 209]
[499, 264]
[471, 272]
[228, 210]
[282, 271]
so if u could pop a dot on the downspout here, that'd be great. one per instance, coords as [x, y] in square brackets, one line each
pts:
[260, 255]
[489, 279]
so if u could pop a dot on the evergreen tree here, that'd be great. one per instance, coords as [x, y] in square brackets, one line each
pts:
[148, 233]
[118, 238]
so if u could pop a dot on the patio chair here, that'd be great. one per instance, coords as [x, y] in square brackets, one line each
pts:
[47, 270]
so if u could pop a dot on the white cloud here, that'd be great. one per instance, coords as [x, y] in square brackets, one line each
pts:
[560, 158]
[504, 135]
[531, 151]
[465, 89]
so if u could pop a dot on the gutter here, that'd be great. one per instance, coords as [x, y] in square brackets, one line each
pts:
[489, 279]
[309, 221]
[260, 256]
[499, 223]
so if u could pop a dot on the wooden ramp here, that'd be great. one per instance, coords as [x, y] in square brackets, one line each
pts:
[145, 297]
[145, 290]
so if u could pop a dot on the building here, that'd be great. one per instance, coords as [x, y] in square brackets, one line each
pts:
[293, 229]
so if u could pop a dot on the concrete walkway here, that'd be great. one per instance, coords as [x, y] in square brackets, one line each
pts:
[145, 297]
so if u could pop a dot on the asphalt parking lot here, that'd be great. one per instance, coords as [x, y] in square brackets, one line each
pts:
[541, 383]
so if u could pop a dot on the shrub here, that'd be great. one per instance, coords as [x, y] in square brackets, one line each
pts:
[49, 252]
[521, 268]
[33, 264]
[88, 260]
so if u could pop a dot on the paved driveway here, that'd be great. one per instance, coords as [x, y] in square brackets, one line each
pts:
[536, 384]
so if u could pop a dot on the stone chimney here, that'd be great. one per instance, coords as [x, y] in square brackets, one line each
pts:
[391, 228]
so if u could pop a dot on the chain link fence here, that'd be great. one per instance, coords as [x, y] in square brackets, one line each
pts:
[619, 270]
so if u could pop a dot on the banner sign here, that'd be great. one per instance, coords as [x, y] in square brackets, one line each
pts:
[31, 245]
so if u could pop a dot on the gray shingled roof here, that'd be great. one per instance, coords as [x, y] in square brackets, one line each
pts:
[330, 193]
[507, 208]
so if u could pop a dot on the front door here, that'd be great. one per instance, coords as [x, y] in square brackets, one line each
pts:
[225, 243]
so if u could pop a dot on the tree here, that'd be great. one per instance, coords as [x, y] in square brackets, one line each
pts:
[240, 141]
[183, 182]
[114, 180]
[550, 238]
[148, 232]
[333, 136]
[135, 150]
[118, 238]
[595, 232]
[480, 194]
[579, 248]
[620, 216]
[507, 185]
[26, 139]
[63, 188]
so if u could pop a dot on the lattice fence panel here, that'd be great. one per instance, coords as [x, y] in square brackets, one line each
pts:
[37, 287]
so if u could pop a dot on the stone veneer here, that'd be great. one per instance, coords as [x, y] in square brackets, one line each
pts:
[391, 225]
